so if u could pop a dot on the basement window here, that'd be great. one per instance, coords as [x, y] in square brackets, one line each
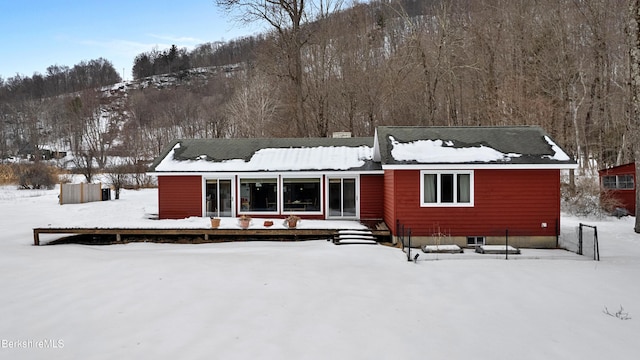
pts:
[473, 241]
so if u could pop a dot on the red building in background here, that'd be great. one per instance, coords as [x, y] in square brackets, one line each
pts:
[618, 187]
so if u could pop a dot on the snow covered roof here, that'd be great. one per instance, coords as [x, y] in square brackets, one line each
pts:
[392, 147]
[520, 146]
[277, 154]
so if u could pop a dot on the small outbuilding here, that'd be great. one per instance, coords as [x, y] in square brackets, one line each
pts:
[618, 188]
[468, 185]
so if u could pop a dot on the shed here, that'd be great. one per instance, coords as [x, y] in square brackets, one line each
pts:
[618, 187]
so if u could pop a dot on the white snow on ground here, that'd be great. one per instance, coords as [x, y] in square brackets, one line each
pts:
[303, 300]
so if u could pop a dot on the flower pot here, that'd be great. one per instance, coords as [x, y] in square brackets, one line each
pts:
[292, 223]
[215, 222]
[244, 223]
[268, 223]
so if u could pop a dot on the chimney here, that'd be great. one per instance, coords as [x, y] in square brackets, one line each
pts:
[342, 134]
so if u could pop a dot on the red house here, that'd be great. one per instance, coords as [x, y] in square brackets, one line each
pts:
[618, 187]
[455, 185]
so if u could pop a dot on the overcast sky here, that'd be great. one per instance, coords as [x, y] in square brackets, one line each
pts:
[38, 33]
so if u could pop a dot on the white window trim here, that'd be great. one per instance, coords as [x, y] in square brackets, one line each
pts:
[476, 242]
[258, 176]
[327, 179]
[455, 193]
[218, 178]
[298, 176]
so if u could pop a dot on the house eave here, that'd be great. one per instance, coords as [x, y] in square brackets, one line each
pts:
[290, 172]
[456, 166]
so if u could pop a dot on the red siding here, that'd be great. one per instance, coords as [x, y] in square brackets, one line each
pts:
[626, 197]
[518, 200]
[179, 196]
[371, 197]
[390, 199]
[620, 170]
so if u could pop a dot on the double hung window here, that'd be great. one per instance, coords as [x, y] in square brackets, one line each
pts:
[447, 188]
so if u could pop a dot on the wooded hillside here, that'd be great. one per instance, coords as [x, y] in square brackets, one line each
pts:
[560, 64]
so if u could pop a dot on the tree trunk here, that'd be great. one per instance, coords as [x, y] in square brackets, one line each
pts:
[634, 72]
[637, 155]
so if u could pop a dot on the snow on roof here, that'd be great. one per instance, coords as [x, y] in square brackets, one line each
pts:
[558, 153]
[276, 159]
[438, 151]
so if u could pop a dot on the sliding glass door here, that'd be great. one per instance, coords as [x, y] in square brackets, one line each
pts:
[218, 198]
[343, 197]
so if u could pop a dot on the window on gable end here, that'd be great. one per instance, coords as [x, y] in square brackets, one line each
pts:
[446, 188]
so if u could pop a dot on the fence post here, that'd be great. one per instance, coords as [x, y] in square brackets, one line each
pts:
[580, 239]
[506, 244]
[596, 246]
[557, 233]
[398, 235]
[409, 248]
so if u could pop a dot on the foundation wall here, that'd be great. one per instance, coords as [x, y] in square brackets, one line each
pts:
[536, 242]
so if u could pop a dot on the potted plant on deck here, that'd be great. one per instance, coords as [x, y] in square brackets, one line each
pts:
[292, 221]
[244, 221]
[215, 222]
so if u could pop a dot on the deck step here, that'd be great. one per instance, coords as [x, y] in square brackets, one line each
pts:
[354, 242]
[354, 232]
[344, 237]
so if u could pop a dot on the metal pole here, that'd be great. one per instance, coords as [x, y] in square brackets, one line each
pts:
[398, 232]
[596, 246]
[580, 239]
[409, 248]
[506, 244]
[557, 232]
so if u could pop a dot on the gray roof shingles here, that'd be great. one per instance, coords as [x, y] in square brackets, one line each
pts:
[529, 141]
[526, 140]
[244, 148]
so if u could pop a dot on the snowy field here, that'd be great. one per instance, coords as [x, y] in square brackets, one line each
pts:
[303, 300]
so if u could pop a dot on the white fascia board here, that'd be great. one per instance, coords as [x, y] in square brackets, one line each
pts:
[481, 166]
[267, 173]
[183, 173]
[353, 173]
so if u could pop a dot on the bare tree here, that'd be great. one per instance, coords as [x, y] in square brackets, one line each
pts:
[83, 110]
[289, 20]
[634, 54]
[286, 18]
[252, 111]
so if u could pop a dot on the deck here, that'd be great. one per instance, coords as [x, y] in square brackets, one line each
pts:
[196, 235]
